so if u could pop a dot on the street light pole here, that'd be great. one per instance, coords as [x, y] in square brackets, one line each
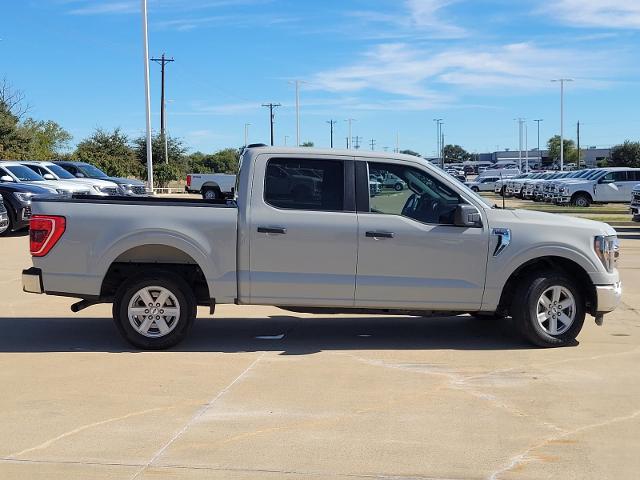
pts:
[438, 140]
[539, 153]
[145, 41]
[349, 120]
[562, 80]
[246, 134]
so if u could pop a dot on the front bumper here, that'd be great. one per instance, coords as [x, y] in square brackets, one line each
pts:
[32, 280]
[608, 297]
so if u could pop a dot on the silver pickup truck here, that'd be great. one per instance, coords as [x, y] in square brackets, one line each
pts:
[322, 243]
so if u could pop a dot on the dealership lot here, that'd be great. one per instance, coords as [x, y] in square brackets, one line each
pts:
[263, 393]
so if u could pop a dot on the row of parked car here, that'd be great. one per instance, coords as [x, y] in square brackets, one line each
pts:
[580, 188]
[21, 181]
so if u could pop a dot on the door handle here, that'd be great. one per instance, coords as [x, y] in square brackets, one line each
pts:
[380, 234]
[275, 230]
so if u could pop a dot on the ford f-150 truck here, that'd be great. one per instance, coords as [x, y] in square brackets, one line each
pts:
[211, 186]
[435, 247]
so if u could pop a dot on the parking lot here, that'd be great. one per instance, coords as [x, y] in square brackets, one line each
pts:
[262, 393]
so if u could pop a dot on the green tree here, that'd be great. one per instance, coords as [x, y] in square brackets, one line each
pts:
[626, 155]
[47, 139]
[410, 152]
[455, 154]
[307, 144]
[14, 141]
[570, 151]
[224, 161]
[110, 151]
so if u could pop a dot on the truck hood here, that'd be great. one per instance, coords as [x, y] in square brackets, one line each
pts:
[563, 221]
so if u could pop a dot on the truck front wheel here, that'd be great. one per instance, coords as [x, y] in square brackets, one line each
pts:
[549, 309]
[154, 311]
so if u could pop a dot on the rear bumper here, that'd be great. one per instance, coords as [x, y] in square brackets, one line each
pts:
[608, 297]
[32, 280]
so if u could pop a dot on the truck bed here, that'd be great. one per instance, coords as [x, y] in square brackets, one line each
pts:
[101, 231]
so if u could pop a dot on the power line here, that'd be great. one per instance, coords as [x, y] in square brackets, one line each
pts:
[163, 61]
[372, 142]
[271, 115]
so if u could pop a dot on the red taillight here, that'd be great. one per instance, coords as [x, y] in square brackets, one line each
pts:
[188, 180]
[44, 233]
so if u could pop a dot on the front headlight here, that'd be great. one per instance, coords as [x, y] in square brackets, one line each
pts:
[23, 197]
[64, 193]
[126, 189]
[564, 190]
[607, 249]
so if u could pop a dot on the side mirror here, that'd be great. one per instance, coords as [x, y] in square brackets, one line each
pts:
[79, 175]
[6, 178]
[467, 216]
[48, 176]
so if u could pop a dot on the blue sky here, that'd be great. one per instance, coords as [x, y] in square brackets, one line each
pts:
[391, 65]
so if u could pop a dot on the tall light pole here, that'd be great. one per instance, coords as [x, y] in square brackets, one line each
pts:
[145, 41]
[349, 121]
[526, 145]
[297, 84]
[538, 120]
[562, 80]
[246, 134]
[438, 140]
[520, 132]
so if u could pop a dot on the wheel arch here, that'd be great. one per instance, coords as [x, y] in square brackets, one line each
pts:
[550, 262]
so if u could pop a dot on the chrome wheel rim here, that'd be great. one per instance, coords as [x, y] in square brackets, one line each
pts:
[581, 202]
[210, 195]
[154, 311]
[556, 310]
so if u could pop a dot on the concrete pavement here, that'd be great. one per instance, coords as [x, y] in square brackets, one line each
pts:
[336, 397]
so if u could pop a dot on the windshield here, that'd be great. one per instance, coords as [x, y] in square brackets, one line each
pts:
[92, 172]
[60, 172]
[24, 174]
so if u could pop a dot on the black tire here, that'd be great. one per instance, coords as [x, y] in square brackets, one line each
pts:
[525, 304]
[209, 193]
[398, 187]
[475, 189]
[183, 295]
[581, 200]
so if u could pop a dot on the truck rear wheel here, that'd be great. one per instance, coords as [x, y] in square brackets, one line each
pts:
[154, 311]
[210, 193]
[549, 309]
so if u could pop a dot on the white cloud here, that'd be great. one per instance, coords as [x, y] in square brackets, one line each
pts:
[434, 76]
[595, 13]
[417, 18]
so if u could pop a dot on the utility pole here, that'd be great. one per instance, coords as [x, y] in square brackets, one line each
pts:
[246, 134]
[163, 61]
[526, 146]
[442, 146]
[286, 139]
[331, 124]
[397, 142]
[372, 142]
[539, 153]
[562, 80]
[350, 121]
[271, 115]
[578, 143]
[356, 142]
[145, 43]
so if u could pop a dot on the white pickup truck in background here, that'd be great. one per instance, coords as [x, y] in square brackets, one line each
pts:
[212, 186]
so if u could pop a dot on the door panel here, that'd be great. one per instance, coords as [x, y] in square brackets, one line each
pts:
[303, 243]
[410, 255]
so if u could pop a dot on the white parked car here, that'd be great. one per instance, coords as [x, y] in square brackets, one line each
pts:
[486, 183]
[51, 171]
[16, 172]
[610, 185]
